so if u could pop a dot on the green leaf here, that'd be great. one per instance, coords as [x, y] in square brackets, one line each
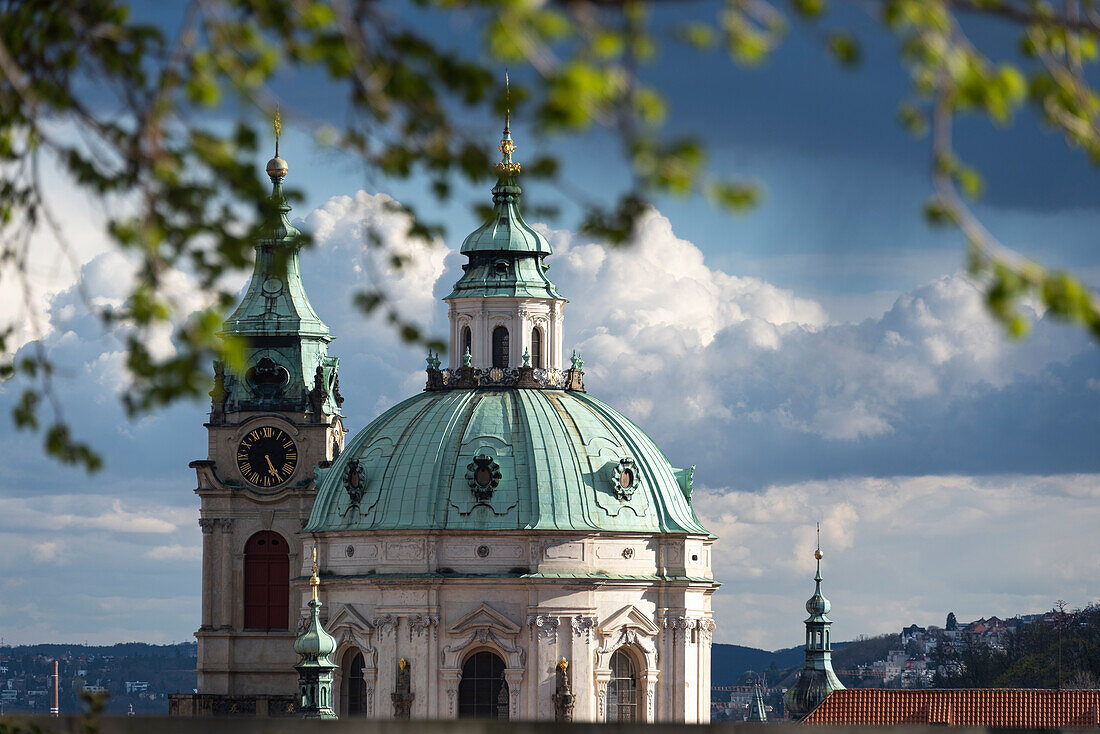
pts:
[734, 196]
[844, 47]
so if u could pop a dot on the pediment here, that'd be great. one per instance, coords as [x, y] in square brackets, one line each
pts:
[632, 618]
[483, 617]
[347, 615]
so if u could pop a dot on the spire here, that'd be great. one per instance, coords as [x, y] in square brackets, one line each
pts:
[506, 253]
[757, 711]
[506, 167]
[315, 580]
[286, 341]
[817, 605]
[817, 679]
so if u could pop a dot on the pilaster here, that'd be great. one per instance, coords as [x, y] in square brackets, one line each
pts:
[207, 526]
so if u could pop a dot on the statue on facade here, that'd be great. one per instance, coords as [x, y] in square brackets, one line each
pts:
[402, 695]
[318, 394]
[563, 694]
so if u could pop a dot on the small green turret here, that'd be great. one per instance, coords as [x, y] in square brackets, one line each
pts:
[315, 667]
[506, 256]
[817, 679]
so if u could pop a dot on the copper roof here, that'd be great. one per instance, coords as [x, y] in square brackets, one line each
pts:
[1000, 707]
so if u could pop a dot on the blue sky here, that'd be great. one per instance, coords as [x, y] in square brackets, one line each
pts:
[819, 358]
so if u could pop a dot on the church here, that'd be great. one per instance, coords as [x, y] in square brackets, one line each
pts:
[500, 545]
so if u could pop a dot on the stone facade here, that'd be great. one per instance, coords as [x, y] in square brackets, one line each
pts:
[531, 598]
[233, 660]
[520, 316]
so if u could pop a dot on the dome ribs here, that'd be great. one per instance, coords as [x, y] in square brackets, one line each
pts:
[555, 450]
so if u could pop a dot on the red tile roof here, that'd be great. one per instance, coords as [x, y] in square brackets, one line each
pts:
[1002, 707]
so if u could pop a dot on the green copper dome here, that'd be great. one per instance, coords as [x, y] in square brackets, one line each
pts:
[516, 459]
[315, 644]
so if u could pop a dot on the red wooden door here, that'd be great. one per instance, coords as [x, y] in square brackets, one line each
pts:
[266, 582]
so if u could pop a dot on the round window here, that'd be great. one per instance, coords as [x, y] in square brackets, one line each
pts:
[626, 479]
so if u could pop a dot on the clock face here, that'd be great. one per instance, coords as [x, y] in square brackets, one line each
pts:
[267, 456]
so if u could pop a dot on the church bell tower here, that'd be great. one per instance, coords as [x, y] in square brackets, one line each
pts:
[271, 423]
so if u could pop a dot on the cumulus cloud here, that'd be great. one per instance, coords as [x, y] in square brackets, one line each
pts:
[899, 550]
[737, 359]
[788, 411]
[69, 513]
[342, 230]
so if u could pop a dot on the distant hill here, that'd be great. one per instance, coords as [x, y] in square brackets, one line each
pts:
[729, 662]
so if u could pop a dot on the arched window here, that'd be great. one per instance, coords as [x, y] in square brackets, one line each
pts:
[266, 582]
[536, 347]
[622, 690]
[500, 347]
[483, 692]
[354, 687]
[467, 341]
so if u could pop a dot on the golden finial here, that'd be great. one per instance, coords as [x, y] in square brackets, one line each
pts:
[277, 167]
[507, 147]
[817, 553]
[277, 125]
[314, 580]
[563, 664]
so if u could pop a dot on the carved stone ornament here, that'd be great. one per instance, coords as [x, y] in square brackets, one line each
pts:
[422, 624]
[483, 476]
[355, 484]
[628, 553]
[624, 479]
[543, 625]
[268, 378]
[219, 395]
[583, 626]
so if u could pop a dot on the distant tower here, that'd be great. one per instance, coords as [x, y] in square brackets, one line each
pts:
[274, 417]
[817, 679]
[315, 668]
[55, 705]
[756, 706]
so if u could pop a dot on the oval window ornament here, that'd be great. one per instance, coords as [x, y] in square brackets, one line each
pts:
[624, 480]
[483, 476]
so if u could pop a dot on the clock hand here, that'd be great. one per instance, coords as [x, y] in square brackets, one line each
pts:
[270, 466]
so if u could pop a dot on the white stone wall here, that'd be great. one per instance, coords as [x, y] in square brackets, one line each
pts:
[377, 603]
[519, 316]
